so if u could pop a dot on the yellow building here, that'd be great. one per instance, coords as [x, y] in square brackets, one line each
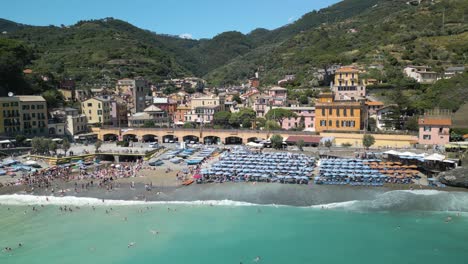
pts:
[347, 85]
[97, 110]
[9, 115]
[331, 115]
[23, 115]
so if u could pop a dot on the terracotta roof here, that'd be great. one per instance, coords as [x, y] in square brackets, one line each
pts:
[435, 121]
[347, 69]
[27, 71]
[307, 139]
[376, 103]
[465, 136]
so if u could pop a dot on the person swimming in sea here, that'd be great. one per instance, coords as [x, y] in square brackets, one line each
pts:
[131, 244]
[257, 259]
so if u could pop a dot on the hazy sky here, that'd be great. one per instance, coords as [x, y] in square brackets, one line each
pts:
[196, 18]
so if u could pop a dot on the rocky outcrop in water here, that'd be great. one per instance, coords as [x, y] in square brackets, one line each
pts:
[456, 178]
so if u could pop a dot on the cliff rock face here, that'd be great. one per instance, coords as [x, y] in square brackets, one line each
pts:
[456, 178]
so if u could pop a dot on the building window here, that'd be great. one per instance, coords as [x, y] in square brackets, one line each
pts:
[33, 107]
[337, 123]
[351, 112]
[330, 123]
[323, 111]
[338, 112]
[427, 128]
[90, 104]
[345, 112]
[330, 111]
[323, 122]
[427, 137]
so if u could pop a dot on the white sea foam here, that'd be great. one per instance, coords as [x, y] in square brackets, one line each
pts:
[406, 200]
[19, 199]
[335, 205]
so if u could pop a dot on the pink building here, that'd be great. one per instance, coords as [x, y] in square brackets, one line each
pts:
[278, 96]
[305, 119]
[434, 130]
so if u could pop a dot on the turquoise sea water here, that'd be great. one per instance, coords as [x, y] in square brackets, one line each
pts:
[225, 232]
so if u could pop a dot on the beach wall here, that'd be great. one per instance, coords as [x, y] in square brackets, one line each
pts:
[381, 140]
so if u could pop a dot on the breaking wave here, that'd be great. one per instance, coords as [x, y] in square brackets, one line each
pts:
[19, 199]
[405, 200]
[400, 200]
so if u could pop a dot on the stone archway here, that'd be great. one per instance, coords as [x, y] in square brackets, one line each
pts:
[211, 140]
[190, 139]
[169, 139]
[253, 139]
[110, 137]
[149, 138]
[130, 138]
[233, 140]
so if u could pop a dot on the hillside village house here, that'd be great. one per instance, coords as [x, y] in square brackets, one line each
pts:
[97, 110]
[331, 115]
[421, 74]
[346, 85]
[452, 71]
[434, 130]
[134, 91]
[165, 104]
[75, 122]
[150, 115]
[203, 108]
[118, 112]
[382, 117]
[179, 116]
[278, 96]
[261, 106]
[373, 106]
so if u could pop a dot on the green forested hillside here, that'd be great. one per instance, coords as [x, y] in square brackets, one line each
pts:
[391, 33]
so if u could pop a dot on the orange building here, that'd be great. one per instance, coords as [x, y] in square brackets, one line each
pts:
[179, 116]
[331, 115]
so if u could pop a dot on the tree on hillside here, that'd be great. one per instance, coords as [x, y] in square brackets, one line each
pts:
[279, 114]
[276, 141]
[14, 56]
[303, 99]
[222, 119]
[368, 140]
[272, 125]
[260, 122]
[243, 118]
[53, 98]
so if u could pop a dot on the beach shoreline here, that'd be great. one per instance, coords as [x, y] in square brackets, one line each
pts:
[255, 193]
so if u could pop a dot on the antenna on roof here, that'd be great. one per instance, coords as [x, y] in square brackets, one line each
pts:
[10, 94]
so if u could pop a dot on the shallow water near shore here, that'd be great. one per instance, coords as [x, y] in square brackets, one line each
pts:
[228, 232]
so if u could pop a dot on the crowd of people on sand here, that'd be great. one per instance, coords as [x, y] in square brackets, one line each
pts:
[101, 176]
